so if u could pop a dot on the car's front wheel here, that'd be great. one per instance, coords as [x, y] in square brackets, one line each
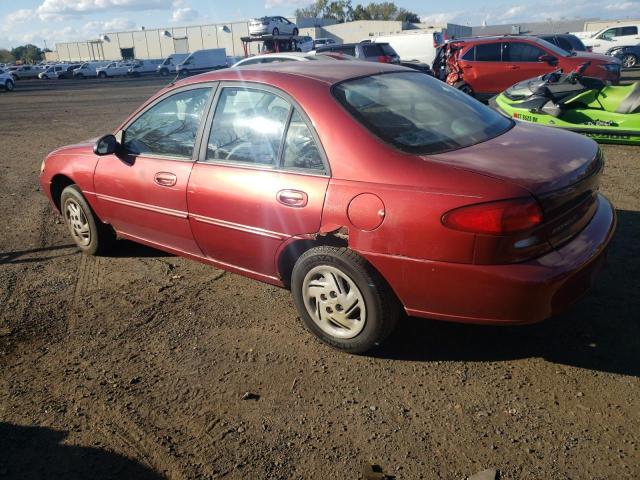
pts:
[102, 75]
[89, 233]
[9, 85]
[295, 32]
[342, 299]
[275, 32]
[629, 60]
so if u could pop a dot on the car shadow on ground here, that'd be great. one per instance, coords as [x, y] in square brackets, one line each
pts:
[28, 453]
[601, 332]
[126, 249]
[33, 255]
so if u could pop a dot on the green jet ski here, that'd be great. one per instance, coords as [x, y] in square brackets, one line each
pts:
[606, 113]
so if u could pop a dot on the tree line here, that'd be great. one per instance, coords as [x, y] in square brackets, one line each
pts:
[28, 53]
[343, 11]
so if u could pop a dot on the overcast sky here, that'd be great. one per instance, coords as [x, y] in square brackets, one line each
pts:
[37, 21]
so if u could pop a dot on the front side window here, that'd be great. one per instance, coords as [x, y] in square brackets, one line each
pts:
[418, 113]
[247, 127]
[522, 52]
[169, 127]
[469, 55]
[488, 52]
[609, 34]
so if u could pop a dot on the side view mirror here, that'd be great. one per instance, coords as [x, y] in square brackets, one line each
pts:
[106, 145]
[548, 58]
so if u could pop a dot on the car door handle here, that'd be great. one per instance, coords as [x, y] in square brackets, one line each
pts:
[514, 67]
[292, 198]
[165, 179]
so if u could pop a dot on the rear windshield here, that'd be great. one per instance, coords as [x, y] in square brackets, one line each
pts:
[419, 114]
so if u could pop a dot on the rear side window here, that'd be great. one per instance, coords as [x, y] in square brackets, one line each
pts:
[300, 149]
[418, 113]
[629, 31]
[346, 50]
[372, 50]
[248, 127]
[169, 127]
[488, 52]
[564, 44]
[522, 52]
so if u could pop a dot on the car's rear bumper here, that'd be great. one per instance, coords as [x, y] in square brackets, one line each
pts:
[520, 293]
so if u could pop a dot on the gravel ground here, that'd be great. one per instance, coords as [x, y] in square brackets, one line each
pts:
[136, 365]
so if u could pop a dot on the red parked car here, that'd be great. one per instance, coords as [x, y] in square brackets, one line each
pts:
[486, 66]
[364, 188]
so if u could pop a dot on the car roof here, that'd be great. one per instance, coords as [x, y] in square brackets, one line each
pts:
[278, 73]
[493, 38]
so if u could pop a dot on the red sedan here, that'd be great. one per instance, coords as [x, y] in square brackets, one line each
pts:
[364, 188]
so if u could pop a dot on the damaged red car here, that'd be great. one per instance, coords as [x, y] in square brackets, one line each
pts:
[486, 66]
[366, 189]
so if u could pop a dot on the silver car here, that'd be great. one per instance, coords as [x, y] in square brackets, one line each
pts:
[272, 26]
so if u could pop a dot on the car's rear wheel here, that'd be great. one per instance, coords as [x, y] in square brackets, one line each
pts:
[45, 77]
[164, 72]
[102, 75]
[80, 76]
[9, 85]
[464, 87]
[275, 32]
[342, 300]
[629, 60]
[89, 233]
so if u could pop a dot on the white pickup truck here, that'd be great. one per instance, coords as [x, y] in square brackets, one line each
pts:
[114, 69]
[623, 35]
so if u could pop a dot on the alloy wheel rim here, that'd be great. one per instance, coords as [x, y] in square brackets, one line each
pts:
[77, 222]
[629, 61]
[334, 302]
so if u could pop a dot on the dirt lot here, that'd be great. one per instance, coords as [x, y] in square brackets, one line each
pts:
[135, 365]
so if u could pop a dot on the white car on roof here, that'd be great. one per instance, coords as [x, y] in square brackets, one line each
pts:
[272, 26]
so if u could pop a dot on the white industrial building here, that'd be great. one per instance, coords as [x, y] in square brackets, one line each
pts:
[161, 42]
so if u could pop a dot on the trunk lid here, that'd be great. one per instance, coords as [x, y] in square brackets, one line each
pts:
[560, 169]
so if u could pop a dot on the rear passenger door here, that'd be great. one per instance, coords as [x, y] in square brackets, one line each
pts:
[260, 179]
[483, 68]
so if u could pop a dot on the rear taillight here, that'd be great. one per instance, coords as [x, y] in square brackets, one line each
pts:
[385, 59]
[495, 218]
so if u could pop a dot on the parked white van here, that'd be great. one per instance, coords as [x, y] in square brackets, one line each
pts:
[88, 69]
[203, 60]
[169, 64]
[144, 67]
[624, 35]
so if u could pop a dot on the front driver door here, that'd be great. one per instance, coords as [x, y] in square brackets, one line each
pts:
[143, 191]
[261, 179]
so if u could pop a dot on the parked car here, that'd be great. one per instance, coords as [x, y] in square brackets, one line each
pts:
[169, 64]
[114, 69]
[203, 61]
[88, 70]
[628, 56]
[319, 42]
[286, 57]
[52, 71]
[367, 51]
[485, 66]
[143, 67]
[6, 80]
[412, 45]
[68, 73]
[361, 188]
[25, 71]
[566, 41]
[272, 26]
[305, 44]
[618, 36]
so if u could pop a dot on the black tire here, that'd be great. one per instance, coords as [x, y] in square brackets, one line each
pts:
[9, 85]
[80, 76]
[15, 77]
[629, 60]
[295, 32]
[102, 75]
[101, 236]
[184, 72]
[164, 72]
[381, 306]
[45, 77]
[275, 32]
[464, 87]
